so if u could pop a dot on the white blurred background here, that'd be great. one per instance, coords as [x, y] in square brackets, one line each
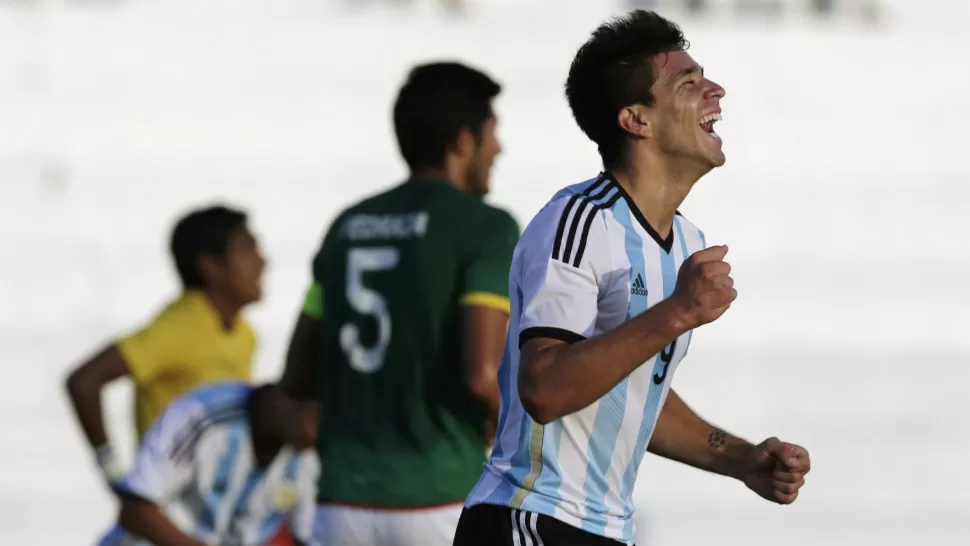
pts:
[844, 201]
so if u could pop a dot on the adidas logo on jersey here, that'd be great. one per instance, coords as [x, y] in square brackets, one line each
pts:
[638, 288]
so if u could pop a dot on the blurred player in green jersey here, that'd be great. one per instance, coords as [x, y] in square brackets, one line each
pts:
[403, 329]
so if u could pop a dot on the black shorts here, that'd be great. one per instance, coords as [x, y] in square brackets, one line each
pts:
[491, 525]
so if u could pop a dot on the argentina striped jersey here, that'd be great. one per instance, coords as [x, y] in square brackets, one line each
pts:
[197, 464]
[586, 263]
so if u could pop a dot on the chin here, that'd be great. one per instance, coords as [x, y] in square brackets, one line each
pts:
[713, 153]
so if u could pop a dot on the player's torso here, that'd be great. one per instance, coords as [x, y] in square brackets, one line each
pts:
[232, 501]
[601, 446]
[581, 468]
[215, 354]
[399, 423]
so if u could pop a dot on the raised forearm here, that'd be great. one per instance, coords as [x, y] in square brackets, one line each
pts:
[145, 520]
[682, 436]
[565, 378]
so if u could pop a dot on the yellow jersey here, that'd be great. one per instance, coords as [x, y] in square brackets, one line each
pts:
[183, 347]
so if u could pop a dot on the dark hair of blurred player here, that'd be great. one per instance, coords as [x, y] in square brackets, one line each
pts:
[445, 125]
[200, 336]
[214, 251]
[403, 328]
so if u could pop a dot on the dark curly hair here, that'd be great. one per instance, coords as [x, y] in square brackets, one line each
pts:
[614, 69]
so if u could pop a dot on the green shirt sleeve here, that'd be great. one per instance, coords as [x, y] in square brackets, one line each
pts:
[487, 277]
[313, 302]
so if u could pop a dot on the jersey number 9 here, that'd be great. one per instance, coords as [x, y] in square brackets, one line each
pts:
[367, 301]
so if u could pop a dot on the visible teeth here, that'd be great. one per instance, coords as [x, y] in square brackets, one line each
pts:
[709, 119]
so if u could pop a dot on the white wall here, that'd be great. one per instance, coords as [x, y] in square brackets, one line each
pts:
[844, 202]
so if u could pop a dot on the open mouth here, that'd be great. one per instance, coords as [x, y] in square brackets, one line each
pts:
[707, 124]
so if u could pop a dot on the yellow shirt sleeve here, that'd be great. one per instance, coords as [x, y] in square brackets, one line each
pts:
[313, 303]
[155, 349]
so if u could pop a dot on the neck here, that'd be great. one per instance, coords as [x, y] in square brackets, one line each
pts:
[657, 186]
[450, 173]
[226, 307]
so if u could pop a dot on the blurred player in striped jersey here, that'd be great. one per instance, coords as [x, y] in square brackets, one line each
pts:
[607, 284]
[200, 336]
[223, 465]
[404, 326]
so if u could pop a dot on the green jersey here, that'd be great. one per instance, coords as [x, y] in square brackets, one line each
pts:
[398, 426]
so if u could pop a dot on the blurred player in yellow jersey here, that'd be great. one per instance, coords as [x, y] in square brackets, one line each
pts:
[200, 337]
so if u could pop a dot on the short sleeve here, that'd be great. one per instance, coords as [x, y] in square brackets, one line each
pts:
[301, 522]
[487, 277]
[164, 462]
[559, 264]
[154, 349]
[313, 302]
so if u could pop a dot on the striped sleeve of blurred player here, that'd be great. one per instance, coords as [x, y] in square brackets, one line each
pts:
[198, 465]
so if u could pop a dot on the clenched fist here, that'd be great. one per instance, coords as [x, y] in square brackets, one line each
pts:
[705, 288]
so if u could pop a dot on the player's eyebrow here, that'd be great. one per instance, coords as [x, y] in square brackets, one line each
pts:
[689, 71]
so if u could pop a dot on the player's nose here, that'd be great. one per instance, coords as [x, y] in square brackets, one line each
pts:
[714, 90]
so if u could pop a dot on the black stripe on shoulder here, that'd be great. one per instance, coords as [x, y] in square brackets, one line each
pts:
[561, 247]
[589, 224]
[603, 190]
[561, 334]
[186, 440]
[557, 244]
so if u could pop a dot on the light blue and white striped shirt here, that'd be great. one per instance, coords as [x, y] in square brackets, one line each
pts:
[198, 465]
[585, 264]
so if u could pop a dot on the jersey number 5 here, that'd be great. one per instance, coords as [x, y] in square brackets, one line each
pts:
[367, 301]
[666, 355]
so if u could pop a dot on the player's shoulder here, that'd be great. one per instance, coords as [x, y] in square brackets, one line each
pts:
[190, 304]
[485, 219]
[573, 215]
[179, 314]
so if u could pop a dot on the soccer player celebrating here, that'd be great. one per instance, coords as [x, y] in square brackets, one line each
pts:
[200, 337]
[607, 284]
[404, 326]
[220, 466]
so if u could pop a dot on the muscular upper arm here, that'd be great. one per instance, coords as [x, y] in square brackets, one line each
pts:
[559, 266]
[484, 330]
[485, 304]
[101, 369]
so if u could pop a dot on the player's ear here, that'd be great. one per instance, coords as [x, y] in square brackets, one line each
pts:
[465, 143]
[635, 119]
[209, 267]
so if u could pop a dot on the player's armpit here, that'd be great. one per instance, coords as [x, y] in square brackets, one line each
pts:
[144, 519]
[483, 342]
[302, 372]
[681, 435]
[84, 386]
